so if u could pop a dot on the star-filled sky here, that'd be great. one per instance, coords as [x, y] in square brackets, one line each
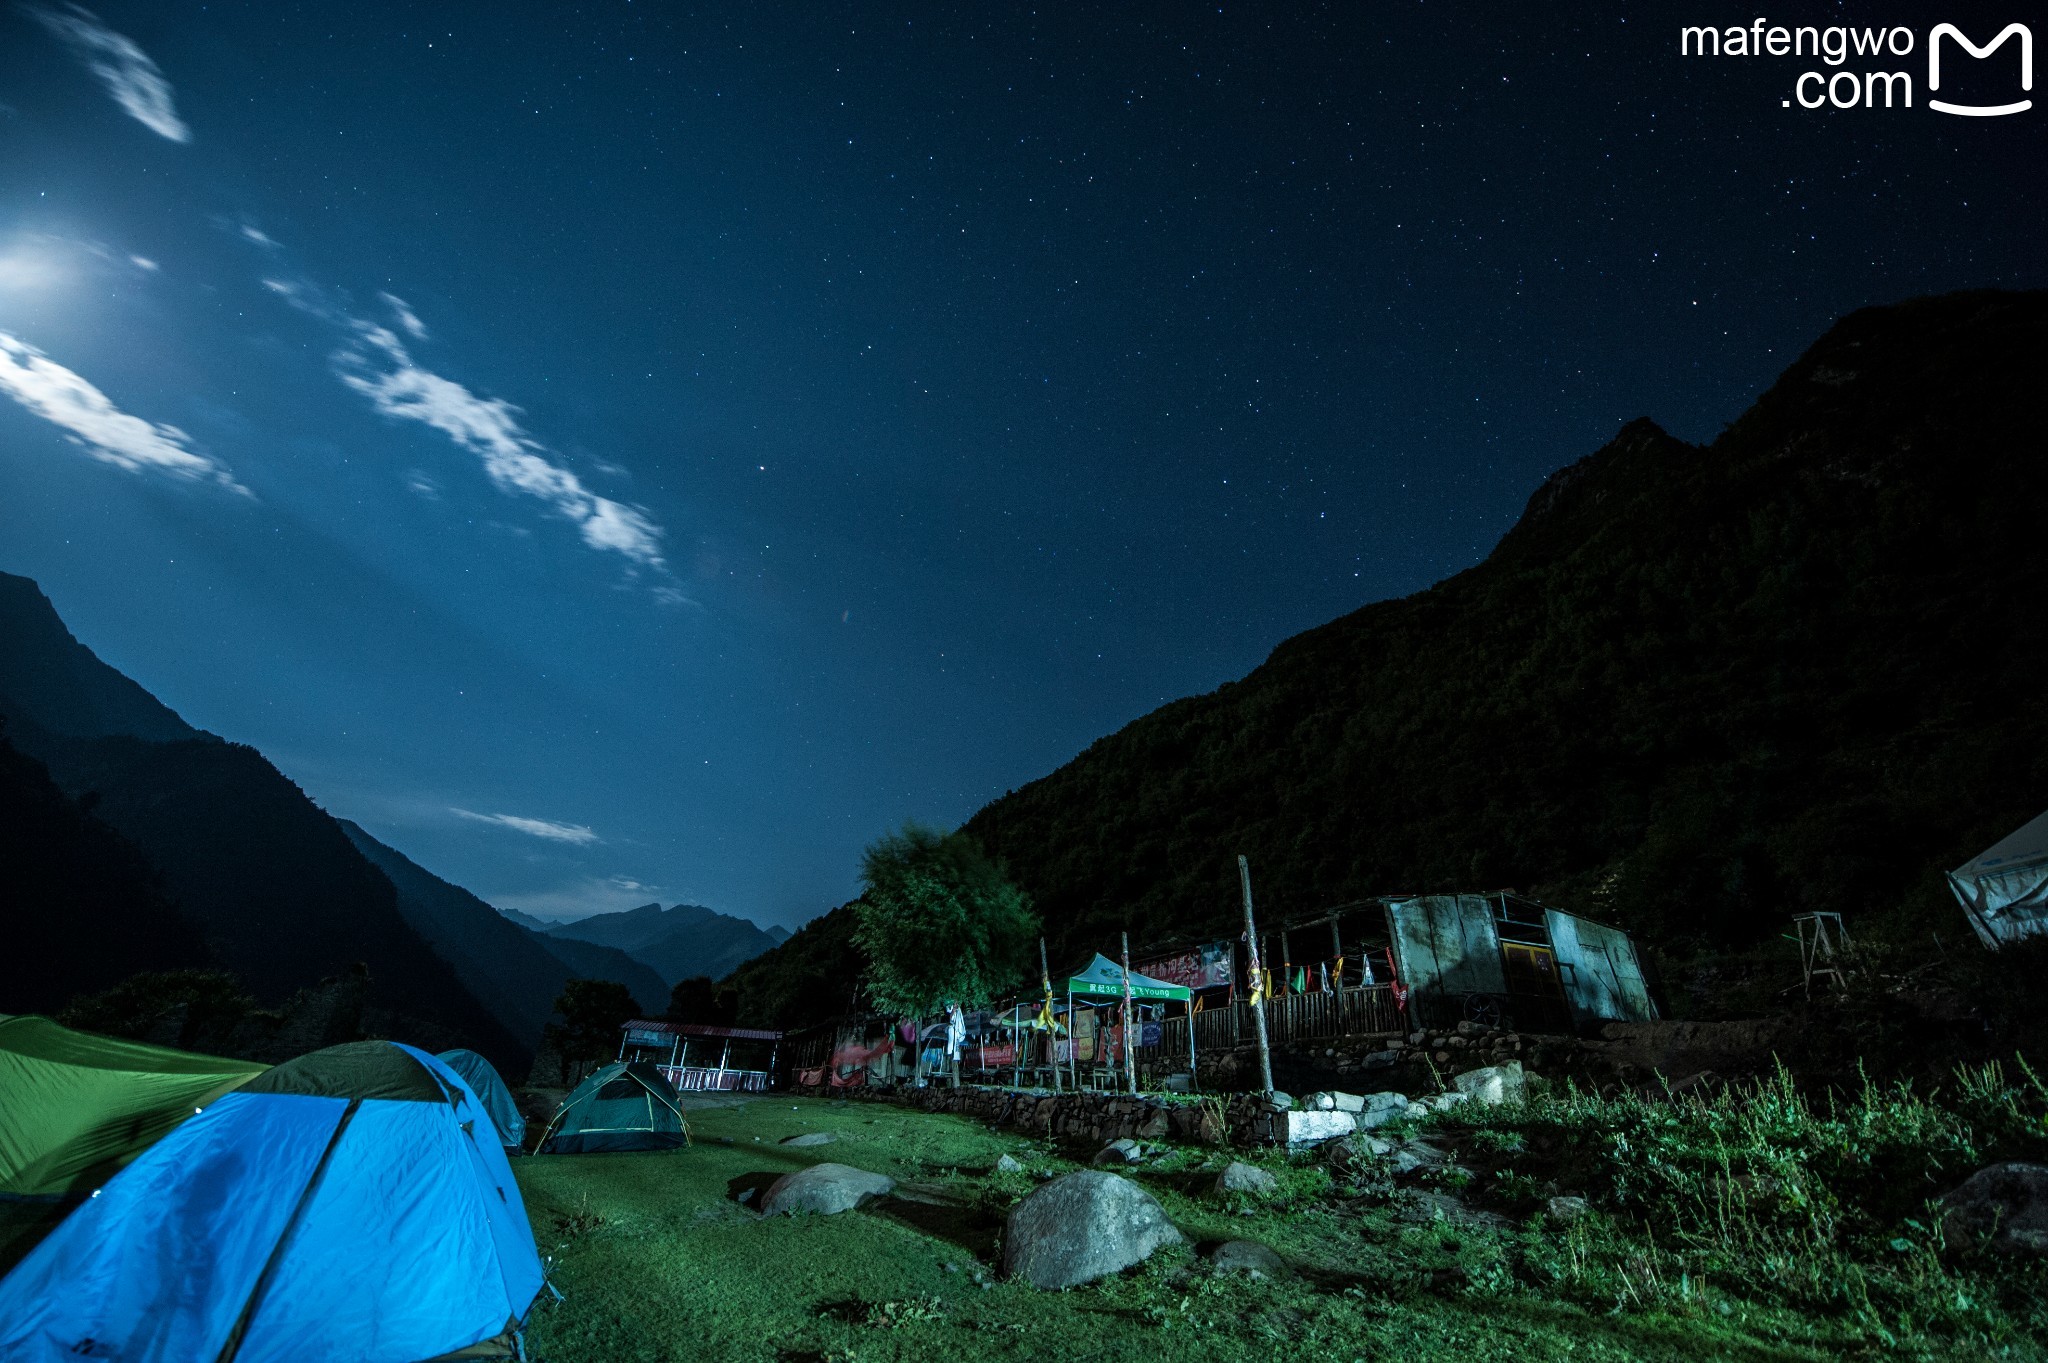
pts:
[625, 451]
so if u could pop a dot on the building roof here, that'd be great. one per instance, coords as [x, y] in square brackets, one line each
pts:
[699, 1029]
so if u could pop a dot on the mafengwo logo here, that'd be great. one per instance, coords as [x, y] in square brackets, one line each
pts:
[1855, 54]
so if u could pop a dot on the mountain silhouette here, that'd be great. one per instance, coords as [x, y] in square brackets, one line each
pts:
[1695, 690]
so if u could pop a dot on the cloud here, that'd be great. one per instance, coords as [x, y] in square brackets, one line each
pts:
[251, 232]
[95, 424]
[136, 83]
[537, 828]
[144, 263]
[377, 365]
[407, 318]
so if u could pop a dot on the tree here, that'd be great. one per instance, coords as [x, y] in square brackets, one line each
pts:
[698, 1000]
[591, 1012]
[939, 923]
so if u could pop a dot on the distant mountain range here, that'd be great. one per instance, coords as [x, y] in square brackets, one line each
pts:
[134, 842]
[676, 943]
[1695, 690]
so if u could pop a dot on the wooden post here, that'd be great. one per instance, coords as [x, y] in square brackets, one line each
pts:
[1337, 953]
[1073, 1044]
[1286, 965]
[1052, 1036]
[1017, 1045]
[1192, 1071]
[1251, 938]
[1130, 1044]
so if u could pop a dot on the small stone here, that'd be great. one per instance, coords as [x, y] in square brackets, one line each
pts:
[1493, 1084]
[1320, 1102]
[1248, 1257]
[1444, 1102]
[1008, 1164]
[1417, 1038]
[1565, 1211]
[1347, 1102]
[1413, 1155]
[813, 1138]
[1280, 1102]
[1123, 1152]
[1239, 1177]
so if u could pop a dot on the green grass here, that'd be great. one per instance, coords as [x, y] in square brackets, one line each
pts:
[659, 1261]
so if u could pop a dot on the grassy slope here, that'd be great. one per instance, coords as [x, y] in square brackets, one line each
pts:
[659, 1262]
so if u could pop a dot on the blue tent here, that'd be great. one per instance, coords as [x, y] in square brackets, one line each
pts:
[351, 1204]
[489, 1087]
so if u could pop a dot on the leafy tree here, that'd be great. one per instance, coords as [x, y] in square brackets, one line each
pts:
[591, 1012]
[209, 1005]
[698, 1000]
[940, 923]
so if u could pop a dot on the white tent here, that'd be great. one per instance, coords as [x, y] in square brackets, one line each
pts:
[2004, 892]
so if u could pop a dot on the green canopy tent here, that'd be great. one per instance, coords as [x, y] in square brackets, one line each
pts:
[627, 1105]
[76, 1107]
[1104, 978]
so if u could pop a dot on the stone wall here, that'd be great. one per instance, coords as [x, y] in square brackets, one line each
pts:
[1093, 1120]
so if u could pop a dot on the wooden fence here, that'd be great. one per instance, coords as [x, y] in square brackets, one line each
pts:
[1365, 1011]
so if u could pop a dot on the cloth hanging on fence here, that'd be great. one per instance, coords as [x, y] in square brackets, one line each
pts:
[1326, 978]
[1394, 979]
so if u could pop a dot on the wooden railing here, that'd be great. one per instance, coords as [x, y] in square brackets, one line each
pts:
[1365, 1011]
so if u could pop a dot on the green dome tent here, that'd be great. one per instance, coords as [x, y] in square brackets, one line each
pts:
[76, 1107]
[624, 1106]
[489, 1087]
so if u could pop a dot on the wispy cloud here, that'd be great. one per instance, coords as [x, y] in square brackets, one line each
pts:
[376, 363]
[407, 318]
[96, 425]
[136, 83]
[535, 828]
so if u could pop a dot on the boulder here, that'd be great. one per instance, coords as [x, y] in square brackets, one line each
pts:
[2008, 1203]
[1083, 1226]
[1311, 1128]
[1239, 1177]
[1248, 1257]
[812, 1138]
[825, 1189]
[1493, 1084]
[1347, 1102]
[1320, 1102]
[1123, 1152]
[1354, 1152]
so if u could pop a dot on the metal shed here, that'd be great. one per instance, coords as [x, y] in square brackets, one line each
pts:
[1501, 957]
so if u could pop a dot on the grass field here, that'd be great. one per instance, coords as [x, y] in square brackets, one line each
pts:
[659, 1260]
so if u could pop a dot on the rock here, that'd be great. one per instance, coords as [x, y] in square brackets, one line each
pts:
[1248, 1257]
[1083, 1226]
[1380, 1108]
[1347, 1102]
[1008, 1164]
[1123, 1152]
[1309, 1128]
[1413, 1155]
[2006, 1202]
[1155, 1127]
[1320, 1102]
[1280, 1102]
[1239, 1177]
[1353, 1152]
[825, 1189]
[1564, 1211]
[1415, 1110]
[1493, 1084]
[1417, 1038]
[1444, 1102]
[813, 1138]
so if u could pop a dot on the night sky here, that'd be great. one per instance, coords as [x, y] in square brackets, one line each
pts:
[619, 452]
